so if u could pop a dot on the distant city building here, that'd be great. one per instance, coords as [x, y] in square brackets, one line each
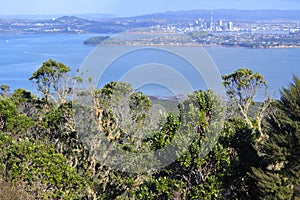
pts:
[230, 25]
[211, 21]
[220, 23]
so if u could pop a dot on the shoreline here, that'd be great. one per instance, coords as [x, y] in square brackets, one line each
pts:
[154, 45]
[192, 45]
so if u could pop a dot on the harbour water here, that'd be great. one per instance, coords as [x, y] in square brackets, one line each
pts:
[21, 55]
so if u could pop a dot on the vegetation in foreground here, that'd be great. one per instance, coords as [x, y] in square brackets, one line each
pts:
[43, 156]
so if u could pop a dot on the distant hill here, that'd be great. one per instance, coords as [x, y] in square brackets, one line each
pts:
[230, 14]
[44, 17]
[95, 16]
[71, 19]
[109, 24]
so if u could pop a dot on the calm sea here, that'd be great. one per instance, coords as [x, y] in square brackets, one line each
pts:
[21, 55]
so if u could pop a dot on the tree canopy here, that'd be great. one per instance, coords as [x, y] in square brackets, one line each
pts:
[53, 147]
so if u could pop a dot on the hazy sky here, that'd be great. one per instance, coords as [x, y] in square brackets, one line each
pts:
[133, 7]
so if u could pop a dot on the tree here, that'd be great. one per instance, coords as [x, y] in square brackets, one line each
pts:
[198, 172]
[53, 81]
[4, 89]
[27, 152]
[11, 120]
[242, 86]
[241, 142]
[113, 120]
[245, 131]
[45, 173]
[280, 179]
[58, 149]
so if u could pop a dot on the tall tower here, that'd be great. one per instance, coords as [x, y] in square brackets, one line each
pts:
[230, 25]
[220, 23]
[211, 20]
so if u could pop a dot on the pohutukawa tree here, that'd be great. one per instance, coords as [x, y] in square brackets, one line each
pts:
[53, 81]
[242, 87]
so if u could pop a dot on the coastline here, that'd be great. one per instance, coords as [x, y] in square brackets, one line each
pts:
[148, 44]
[194, 45]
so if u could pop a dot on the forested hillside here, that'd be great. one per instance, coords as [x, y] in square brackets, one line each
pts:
[45, 153]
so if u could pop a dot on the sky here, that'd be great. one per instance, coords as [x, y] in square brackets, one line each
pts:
[133, 7]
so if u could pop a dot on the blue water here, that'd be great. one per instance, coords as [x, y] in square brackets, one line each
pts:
[276, 65]
[21, 55]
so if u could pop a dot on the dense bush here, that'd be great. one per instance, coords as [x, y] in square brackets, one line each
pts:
[255, 153]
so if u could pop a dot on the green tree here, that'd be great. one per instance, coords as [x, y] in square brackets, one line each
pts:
[11, 120]
[113, 119]
[245, 131]
[45, 173]
[44, 151]
[280, 179]
[4, 89]
[27, 148]
[53, 81]
[242, 86]
[241, 144]
[198, 172]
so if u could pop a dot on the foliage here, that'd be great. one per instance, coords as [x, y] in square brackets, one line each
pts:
[245, 131]
[242, 86]
[272, 185]
[55, 148]
[4, 89]
[240, 141]
[114, 120]
[46, 173]
[198, 172]
[11, 120]
[52, 79]
[281, 151]
[94, 41]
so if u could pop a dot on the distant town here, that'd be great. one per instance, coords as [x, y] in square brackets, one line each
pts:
[204, 29]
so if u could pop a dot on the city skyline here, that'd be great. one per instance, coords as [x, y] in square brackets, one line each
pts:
[123, 8]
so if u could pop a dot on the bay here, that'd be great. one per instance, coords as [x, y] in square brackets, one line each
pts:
[278, 66]
[21, 55]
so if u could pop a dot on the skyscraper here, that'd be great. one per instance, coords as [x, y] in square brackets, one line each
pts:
[230, 25]
[211, 20]
[220, 23]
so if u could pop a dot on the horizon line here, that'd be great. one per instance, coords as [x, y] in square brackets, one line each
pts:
[110, 15]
